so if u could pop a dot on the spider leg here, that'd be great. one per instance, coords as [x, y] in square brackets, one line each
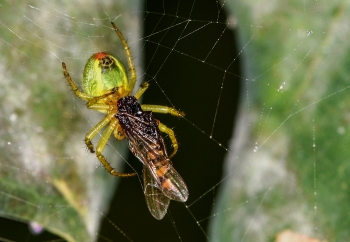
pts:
[73, 85]
[162, 109]
[90, 103]
[163, 128]
[99, 107]
[132, 71]
[118, 132]
[101, 145]
[94, 131]
[141, 90]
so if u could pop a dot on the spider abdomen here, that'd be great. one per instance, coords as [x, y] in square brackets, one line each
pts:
[102, 73]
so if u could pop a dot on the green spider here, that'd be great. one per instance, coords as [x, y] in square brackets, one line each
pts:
[105, 81]
[107, 89]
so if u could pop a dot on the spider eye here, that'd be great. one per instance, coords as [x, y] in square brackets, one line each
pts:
[106, 63]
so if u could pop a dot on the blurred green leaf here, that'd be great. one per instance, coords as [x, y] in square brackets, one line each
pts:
[47, 175]
[288, 165]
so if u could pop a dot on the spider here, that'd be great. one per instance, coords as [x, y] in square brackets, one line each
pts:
[105, 82]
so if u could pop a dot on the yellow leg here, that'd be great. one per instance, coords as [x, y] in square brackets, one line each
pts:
[99, 107]
[132, 71]
[100, 147]
[94, 100]
[73, 85]
[119, 133]
[94, 131]
[141, 90]
[162, 109]
[163, 128]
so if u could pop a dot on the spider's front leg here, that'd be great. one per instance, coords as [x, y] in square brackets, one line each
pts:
[101, 145]
[143, 87]
[132, 71]
[103, 141]
[74, 87]
[94, 131]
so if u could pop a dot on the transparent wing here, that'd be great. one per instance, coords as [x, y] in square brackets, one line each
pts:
[166, 178]
[170, 182]
[156, 201]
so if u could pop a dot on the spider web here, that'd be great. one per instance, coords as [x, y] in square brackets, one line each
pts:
[285, 163]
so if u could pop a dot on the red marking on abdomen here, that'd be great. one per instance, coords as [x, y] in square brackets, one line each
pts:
[100, 55]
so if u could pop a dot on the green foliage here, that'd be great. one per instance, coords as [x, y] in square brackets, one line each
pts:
[298, 178]
[47, 176]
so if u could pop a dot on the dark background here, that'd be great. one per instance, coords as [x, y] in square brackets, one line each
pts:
[191, 86]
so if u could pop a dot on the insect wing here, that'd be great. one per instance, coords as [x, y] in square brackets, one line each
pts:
[161, 180]
[165, 177]
[156, 201]
[171, 183]
[147, 145]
